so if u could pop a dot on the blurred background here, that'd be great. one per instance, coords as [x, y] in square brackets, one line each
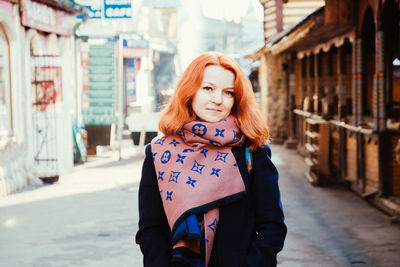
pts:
[82, 83]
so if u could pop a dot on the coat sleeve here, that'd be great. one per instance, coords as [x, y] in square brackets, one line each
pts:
[269, 219]
[154, 235]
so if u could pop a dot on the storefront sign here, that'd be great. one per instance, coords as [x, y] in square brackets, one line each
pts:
[113, 9]
[98, 98]
[93, 13]
[93, 8]
[47, 19]
[117, 9]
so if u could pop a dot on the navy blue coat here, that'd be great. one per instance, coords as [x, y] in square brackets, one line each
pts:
[250, 231]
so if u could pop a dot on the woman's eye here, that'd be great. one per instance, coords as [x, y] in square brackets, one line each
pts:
[230, 93]
[207, 88]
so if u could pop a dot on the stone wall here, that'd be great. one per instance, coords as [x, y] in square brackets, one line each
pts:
[14, 173]
[276, 110]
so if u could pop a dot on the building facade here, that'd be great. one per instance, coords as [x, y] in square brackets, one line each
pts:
[14, 173]
[36, 44]
[342, 94]
[279, 17]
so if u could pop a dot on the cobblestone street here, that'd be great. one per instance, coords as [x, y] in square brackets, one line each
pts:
[89, 218]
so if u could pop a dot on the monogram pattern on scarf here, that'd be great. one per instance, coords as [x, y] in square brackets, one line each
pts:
[197, 167]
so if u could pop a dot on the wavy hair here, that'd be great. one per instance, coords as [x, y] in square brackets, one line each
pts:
[247, 115]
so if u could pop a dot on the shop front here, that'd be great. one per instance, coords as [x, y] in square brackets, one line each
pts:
[48, 51]
[342, 95]
[15, 173]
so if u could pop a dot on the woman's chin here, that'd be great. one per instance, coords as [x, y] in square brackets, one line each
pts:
[211, 119]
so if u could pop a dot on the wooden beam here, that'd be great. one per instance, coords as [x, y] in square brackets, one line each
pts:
[292, 38]
[279, 16]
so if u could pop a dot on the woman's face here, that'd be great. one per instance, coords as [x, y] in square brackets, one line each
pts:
[214, 100]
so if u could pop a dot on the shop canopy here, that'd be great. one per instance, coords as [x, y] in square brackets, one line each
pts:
[309, 35]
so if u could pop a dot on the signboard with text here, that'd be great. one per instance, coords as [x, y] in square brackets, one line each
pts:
[117, 9]
[93, 13]
[99, 97]
[93, 8]
[109, 9]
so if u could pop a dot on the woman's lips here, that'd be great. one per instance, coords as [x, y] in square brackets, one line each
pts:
[214, 110]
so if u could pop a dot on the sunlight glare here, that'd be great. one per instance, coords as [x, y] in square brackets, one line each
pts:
[230, 10]
[10, 222]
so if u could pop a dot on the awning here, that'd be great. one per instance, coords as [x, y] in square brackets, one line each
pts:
[256, 54]
[336, 37]
[311, 35]
[289, 40]
[282, 35]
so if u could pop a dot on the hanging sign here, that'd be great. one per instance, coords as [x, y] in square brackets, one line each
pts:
[93, 13]
[98, 98]
[117, 9]
[109, 9]
[93, 8]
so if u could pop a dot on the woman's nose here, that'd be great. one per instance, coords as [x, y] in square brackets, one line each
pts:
[217, 97]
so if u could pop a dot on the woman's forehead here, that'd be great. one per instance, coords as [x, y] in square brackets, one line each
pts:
[216, 75]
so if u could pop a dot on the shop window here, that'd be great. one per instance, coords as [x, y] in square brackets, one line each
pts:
[46, 82]
[5, 91]
[45, 75]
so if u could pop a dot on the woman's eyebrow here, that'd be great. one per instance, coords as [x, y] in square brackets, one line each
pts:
[210, 83]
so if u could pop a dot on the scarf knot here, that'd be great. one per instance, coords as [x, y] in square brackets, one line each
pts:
[223, 133]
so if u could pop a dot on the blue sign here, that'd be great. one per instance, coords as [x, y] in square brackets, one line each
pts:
[117, 9]
[113, 9]
[93, 13]
[93, 8]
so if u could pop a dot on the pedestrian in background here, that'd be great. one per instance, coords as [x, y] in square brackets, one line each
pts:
[202, 201]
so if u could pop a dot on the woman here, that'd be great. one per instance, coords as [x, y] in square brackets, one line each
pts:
[198, 203]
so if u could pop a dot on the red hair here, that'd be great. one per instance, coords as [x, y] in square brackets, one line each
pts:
[245, 111]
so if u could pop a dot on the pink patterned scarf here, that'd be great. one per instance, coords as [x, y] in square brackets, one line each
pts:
[197, 173]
